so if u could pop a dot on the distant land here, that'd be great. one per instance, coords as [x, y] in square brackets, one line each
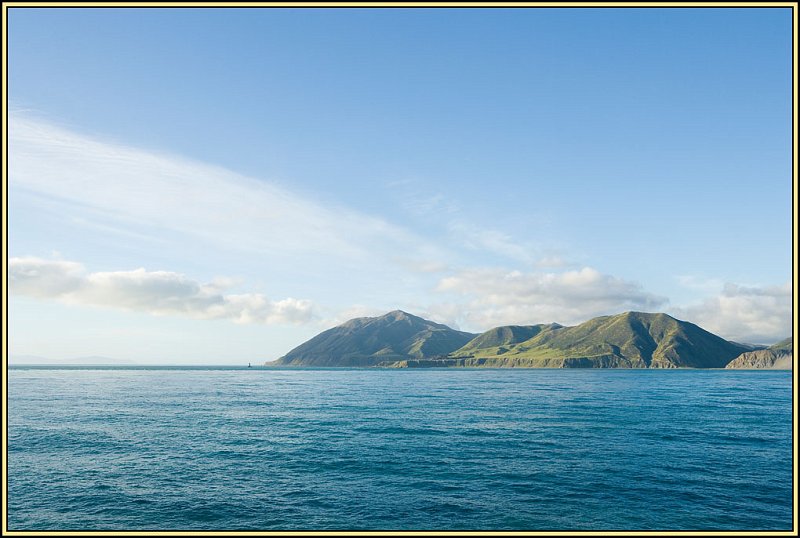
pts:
[775, 357]
[628, 340]
[93, 360]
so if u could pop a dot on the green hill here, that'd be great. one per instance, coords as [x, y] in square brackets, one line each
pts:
[395, 336]
[629, 340]
[504, 337]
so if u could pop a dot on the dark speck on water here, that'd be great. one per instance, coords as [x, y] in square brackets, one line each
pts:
[343, 449]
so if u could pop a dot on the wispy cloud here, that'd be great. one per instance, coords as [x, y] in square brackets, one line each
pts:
[415, 197]
[490, 296]
[491, 241]
[144, 196]
[467, 230]
[756, 314]
[151, 292]
[143, 193]
[700, 284]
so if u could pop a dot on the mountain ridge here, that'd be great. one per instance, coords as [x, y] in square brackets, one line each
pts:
[627, 340]
[369, 341]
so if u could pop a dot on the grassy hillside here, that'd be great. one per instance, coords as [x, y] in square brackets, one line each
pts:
[629, 340]
[392, 337]
[504, 337]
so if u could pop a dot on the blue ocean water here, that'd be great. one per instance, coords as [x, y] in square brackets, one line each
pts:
[326, 449]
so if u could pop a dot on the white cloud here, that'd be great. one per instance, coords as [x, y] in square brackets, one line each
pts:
[354, 311]
[756, 314]
[142, 194]
[500, 297]
[449, 314]
[39, 278]
[152, 292]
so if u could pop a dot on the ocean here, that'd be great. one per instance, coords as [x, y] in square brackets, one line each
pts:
[203, 448]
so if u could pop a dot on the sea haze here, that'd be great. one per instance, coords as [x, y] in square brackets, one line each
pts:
[228, 449]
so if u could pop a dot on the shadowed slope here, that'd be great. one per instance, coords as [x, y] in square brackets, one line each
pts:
[369, 341]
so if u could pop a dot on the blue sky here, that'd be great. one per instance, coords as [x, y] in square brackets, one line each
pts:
[218, 185]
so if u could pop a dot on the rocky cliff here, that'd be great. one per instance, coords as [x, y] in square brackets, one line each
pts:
[777, 357]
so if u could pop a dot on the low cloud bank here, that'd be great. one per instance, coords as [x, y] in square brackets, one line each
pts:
[500, 297]
[755, 314]
[152, 292]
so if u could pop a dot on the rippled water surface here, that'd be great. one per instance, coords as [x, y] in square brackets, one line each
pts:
[398, 449]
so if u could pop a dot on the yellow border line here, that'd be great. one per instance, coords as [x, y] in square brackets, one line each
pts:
[794, 269]
[7, 5]
[4, 272]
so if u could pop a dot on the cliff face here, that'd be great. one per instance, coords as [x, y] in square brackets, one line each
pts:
[772, 359]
